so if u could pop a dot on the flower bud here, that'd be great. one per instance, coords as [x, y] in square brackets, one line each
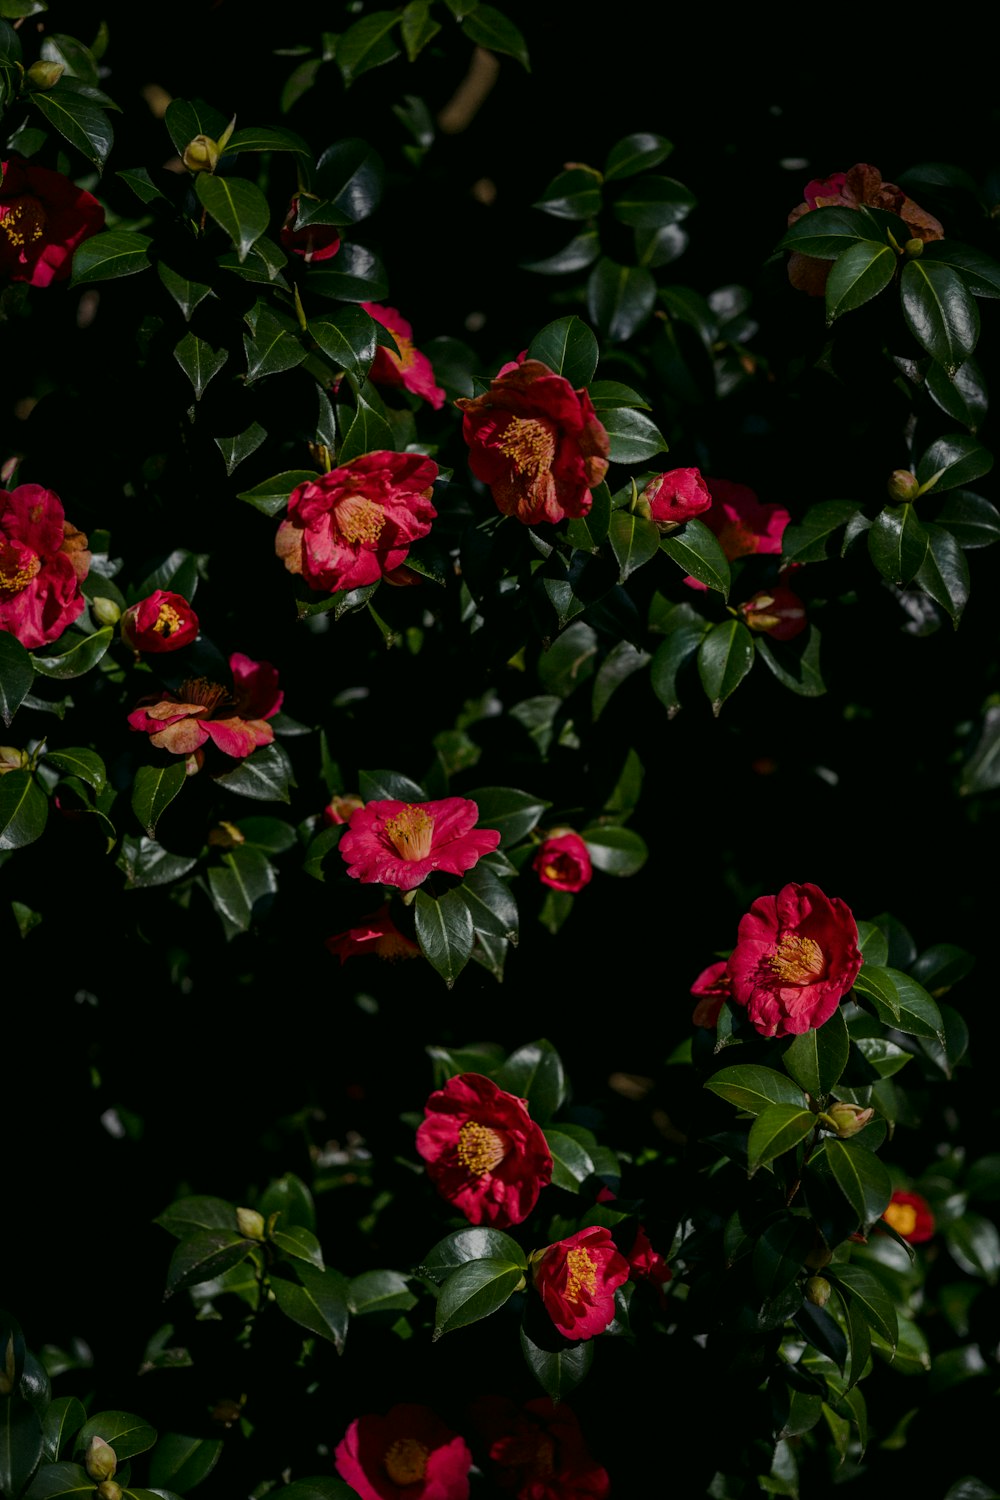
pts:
[914, 247]
[847, 1119]
[818, 1291]
[226, 836]
[201, 154]
[11, 759]
[100, 1459]
[45, 75]
[251, 1223]
[109, 1490]
[105, 611]
[903, 486]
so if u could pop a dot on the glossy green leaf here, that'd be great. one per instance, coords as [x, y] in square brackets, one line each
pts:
[20, 1444]
[558, 1371]
[55, 1480]
[636, 153]
[795, 663]
[898, 542]
[944, 573]
[942, 965]
[72, 655]
[885, 1057]
[807, 541]
[816, 1058]
[634, 541]
[876, 981]
[24, 809]
[289, 1197]
[368, 432]
[952, 462]
[239, 208]
[619, 300]
[379, 1291]
[679, 646]
[490, 28]
[857, 275]
[826, 233]
[187, 294]
[615, 850]
[116, 252]
[725, 656]
[512, 812]
[188, 1215]
[653, 202]
[322, 1488]
[147, 863]
[63, 1419]
[417, 27]
[262, 264]
[242, 888]
[182, 1462]
[367, 44]
[298, 1243]
[621, 663]
[633, 436]
[445, 933]
[16, 675]
[319, 1303]
[777, 1129]
[271, 496]
[350, 175]
[266, 775]
[581, 251]
[607, 395]
[574, 194]
[491, 906]
[380, 786]
[918, 1013]
[272, 347]
[266, 138]
[872, 1298]
[972, 520]
[569, 348]
[979, 270]
[861, 1177]
[474, 1291]
[963, 395]
[778, 1255]
[153, 790]
[235, 449]
[699, 552]
[199, 361]
[201, 1257]
[127, 1433]
[474, 1243]
[941, 312]
[753, 1087]
[347, 337]
[186, 118]
[572, 1164]
[71, 108]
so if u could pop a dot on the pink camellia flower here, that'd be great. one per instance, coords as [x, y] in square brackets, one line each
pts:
[378, 935]
[409, 1454]
[577, 1279]
[562, 861]
[536, 442]
[42, 562]
[538, 1450]
[647, 1264]
[742, 524]
[409, 368]
[484, 1152]
[712, 988]
[160, 622]
[676, 496]
[401, 843]
[233, 719]
[313, 242]
[911, 1217]
[776, 612]
[340, 808]
[43, 217]
[355, 524]
[795, 959]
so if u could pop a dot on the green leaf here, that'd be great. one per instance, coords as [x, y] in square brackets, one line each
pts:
[980, 271]
[972, 520]
[73, 655]
[298, 1243]
[187, 294]
[615, 850]
[582, 250]
[319, 1303]
[147, 863]
[816, 1058]
[445, 933]
[417, 27]
[242, 888]
[20, 1444]
[368, 432]
[861, 1177]
[807, 541]
[154, 789]
[389, 786]
[489, 28]
[857, 275]
[944, 573]
[16, 675]
[367, 44]
[201, 1257]
[652, 202]
[634, 540]
[266, 775]
[535, 1073]
[266, 138]
[607, 395]
[777, 1129]
[272, 348]
[199, 361]
[881, 1055]
[474, 1291]
[379, 1291]
[573, 194]
[24, 809]
[633, 436]
[752, 1087]
[952, 462]
[186, 118]
[621, 662]
[350, 174]
[54, 1480]
[699, 552]
[239, 208]
[569, 348]
[188, 1215]
[963, 395]
[473, 1244]
[876, 982]
[127, 1433]
[262, 264]
[86, 764]
[558, 1371]
[491, 906]
[636, 153]
[271, 495]
[974, 1243]
[679, 646]
[322, 1488]
[182, 1462]
[512, 812]
[725, 656]
[826, 233]
[898, 542]
[795, 664]
[235, 449]
[63, 1418]
[941, 313]
[873, 1300]
[572, 1164]
[779, 1252]
[116, 252]
[918, 1013]
[71, 109]
[619, 300]
[348, 338]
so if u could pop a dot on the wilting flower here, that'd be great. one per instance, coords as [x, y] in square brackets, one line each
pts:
[401, 843]
[312, 241]
[409, 1454]
[861, 185]
[562, 861]
[712, 988]
[233, 718]
[776, 612]
[340, 808]
[676, 496]
[378, 935]
[484, 1152]
[42, 562]
[353, 525]
[538, 1450]
[910, 1216]
[160, 622]
[536, 442]
[577, 1279]
[795, 958]
[409, 368]
[43, 217]
[742, 524]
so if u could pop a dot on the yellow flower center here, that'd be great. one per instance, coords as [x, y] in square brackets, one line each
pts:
[359, 520]
[22, 221]
[581, 1274]
[406, 1461]
[404, 359]
[411, 831]
[529, 444]
[902, 1217]
[797, 960]
[18, 566]
[167, 621]
[480, 1149]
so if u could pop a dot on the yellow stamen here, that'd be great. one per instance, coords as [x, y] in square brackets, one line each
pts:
[411, 832]
[167, 621]
[359, 520]
[202, 691]
[404, 359]
[480, 1149]
[581, 1274]
[902, 1217]
[797, 960]
[529, 444]
[18, 566]
[406, 1461]
[22, 222]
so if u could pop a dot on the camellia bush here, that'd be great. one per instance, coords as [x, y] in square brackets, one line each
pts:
[502, 739]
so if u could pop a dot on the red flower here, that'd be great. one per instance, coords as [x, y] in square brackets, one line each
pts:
[539, 1451]
[577, 1279]
[712, 987]
[742, 525]
[378, 935]
[776, 612]
[409, 1454]
[42, 561]
[352, 526]
[339, 809]
[910, 1216]
[795, 958]
[536, 442]
[43, 217]
[401, 843]
[563, 863]
[676, 496]
[648, 1264]
[234, 719]
[160, 622]
[312, 241]
[409, 368]
[484, 1152]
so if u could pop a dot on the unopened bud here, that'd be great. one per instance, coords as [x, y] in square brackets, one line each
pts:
[45, 75]
[109, 1490]
[100, 1459]
[818, 1291]
[11, 759]
[202, 154]
[251, 1223]
[903, 485]
[847, 1119]
[105, 611]
[914, 247]
[194, 762]
[226, 836]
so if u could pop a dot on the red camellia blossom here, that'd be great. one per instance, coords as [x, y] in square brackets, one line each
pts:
[647, 1264]
[312, 241]
[409, 368]
[536, 442]
[234, 719]
[484, 1152]
[910, 1216]
[401, 843]
[776, 612]
[409, 1454]
[340, 808]
[538, 1450]
[160, 622]
[355, 524]
[676, 496]
[562, 861]
[795, 958]
[43, 217]
[378, 935]
[742, 524]
[712, 988]
[577, 1279]
[42, 562]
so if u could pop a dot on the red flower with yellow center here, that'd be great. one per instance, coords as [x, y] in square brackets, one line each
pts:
[742, 524]
[234, 718]
[577, 1279]
[408, 1454]
[776, 612]
[910, 1216]
[563, 862]
[43, 560]
[161, 622]
[401, 843]
[409, 368]
[378, 935]
[43, 217]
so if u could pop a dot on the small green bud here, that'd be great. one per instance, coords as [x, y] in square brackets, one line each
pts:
[251, 1223]
[45, 75]
[109, 1490]
[913, 248]
[11, 759]
[818, 1291]
[201, 154]
[903, 486]
[105, 611]
[100, 1459]
[847, 1119]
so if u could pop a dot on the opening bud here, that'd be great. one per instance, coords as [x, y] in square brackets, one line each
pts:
[903, 486]
[914, 248]
[100, 1459]
[105, 611]
[251, 1223]
[11, 759]
[847, 1119]
[45, 75]
[202, 154]
[818, 1291]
